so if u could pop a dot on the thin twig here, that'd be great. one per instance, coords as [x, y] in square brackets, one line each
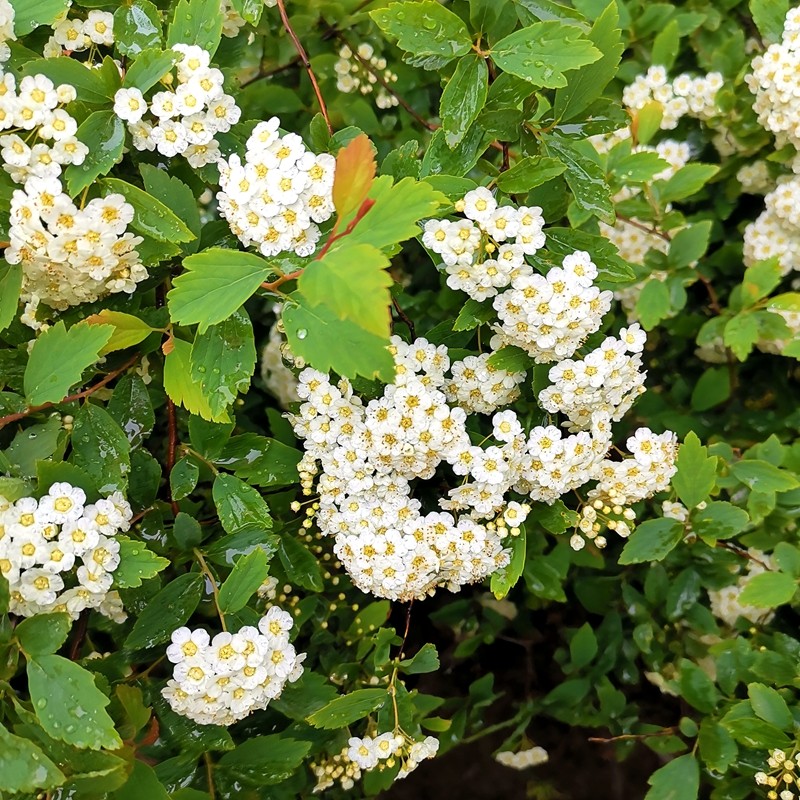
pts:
[740, 551]
[209, 775]
[268, 73]
[71, 398]
[647, 228]
[172, 446]
[214, 590]
[627, 736]
[713, 300]
[78, 635]
[306, 63]
[404, 317]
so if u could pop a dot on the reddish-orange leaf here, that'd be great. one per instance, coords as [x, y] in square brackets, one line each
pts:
[355, 171]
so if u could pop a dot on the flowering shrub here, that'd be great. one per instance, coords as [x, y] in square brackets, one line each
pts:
[399, 390]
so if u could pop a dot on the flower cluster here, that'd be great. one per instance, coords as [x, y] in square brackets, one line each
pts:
[71, 255]
[184, 120]
[784, 772]
[380, 751]
[486, 251]
[479, 387]
[357, 72]
[776, 231]
[522, 759]
[773, 81]
[278, 196]
[683, 96]
[59, 554]
[220, 681]
[726, 603]
[7, 15]
[77, 35]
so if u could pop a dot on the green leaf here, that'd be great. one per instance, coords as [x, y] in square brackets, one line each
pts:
[223, 358]
[611, 268]
[247, 575]
[43, 634]
[143, 782]
[697, 471]
[58, 359]
[351, 280]
[168, 610]
[463, 97]
[583, 646]
[761, 476]
[88, 83]
[69, 705]
[101, 449]
[176, 196]
[712, 388]
[240, 507]
[528, 173]
[503, 580]
[149, 68]
[760, 279]
[302, 698]
[689, 244]
[756, 733]
[31, 444]
[679, 779]
[150, 216]
[137, 27]
[769, 16]
[430, 34]
[717, 748]
[128, 330]
[741, 333]
[136, 563]
[636, 167]
[665, 46]
[543, 52]
[349, 708]
[302, 568]
[770, 706]
[653, 304]
[225, 550]
[217, 282]
[768, 590]
[586, 84]
[30, 14]
[653, 540]
[511, 359]
[696, 687]
[398, 207]
[685, 182]
[103, 132]
[472, 315]
[260, 461]
[583, 176]
[10, 288]
[196, 22]
[426, 659]
[719, 520]
[24, 768]
[183, 478]
[131, 407]
[180, 386]
[264, 760]
[326, 342]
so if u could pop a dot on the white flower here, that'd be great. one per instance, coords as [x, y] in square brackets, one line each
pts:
[129, 104]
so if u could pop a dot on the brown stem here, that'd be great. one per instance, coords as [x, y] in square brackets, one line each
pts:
[172, 446]
[404, 317]
[268, 73]
[71, 398]
[627, 736]
[713, 300]
[647, 228]
[306, 63]
[214, 589]
[78, 635]
[740, 551]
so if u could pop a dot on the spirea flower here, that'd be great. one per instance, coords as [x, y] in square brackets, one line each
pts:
[357, 72]
[59, 553]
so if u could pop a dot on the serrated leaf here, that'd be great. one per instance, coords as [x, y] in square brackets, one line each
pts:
[355, 171]
[69, 705]
[653, 304]
[504, 579]
[761, 476]
[183, 477]
[348, 708]
[131, 407]
[43, 634]
[719, 520]
[88, 83]
[770, 706]
[768, 590]
[689, 244]
[58, 359]
[587, 83]
[127, 329]
[431, 34]
[137, 27]
[259, 460]
[426, 659]
[653, 540]
[181, 387]
[326, 342]
[101, 448]
[685, 182]
[178, 197]
[241, 508]
[103, 132]
[352, 281]
[463, 97]
[196, 22]
[696, 473]
[528, 173]
[216, 283]
[541, 53]
[10, 288]
[165, 612]
[223, 358]
[511, 359]
[24, 768]
[30, 14]
[769, 16]
[149, 68]
[472, 315]
[679, 779]
[136, 563]
[265, 760]
[247, 575]
[302, 568]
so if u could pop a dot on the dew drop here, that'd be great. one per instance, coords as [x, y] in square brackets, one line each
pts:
[302, 333]
[41, 703]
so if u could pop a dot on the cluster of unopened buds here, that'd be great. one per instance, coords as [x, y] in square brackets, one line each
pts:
[522, 759]
[597, 516]
[58, 553]
[358, 72]
[222, 680]
[783, 779]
